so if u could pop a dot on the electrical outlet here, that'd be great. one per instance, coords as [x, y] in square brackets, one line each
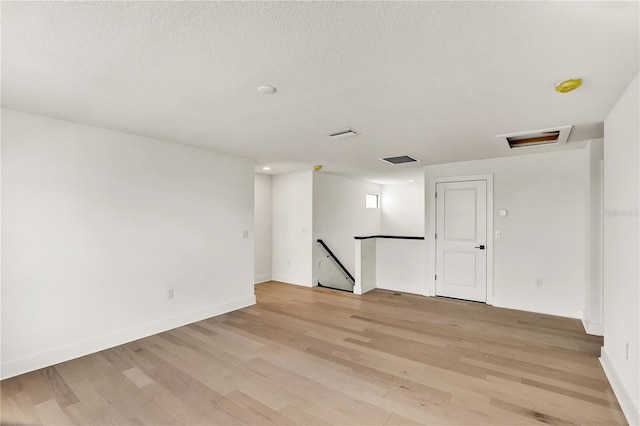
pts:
[539, 282]
[319, 263]
[627, 353]
[170, 294]
[244, 235]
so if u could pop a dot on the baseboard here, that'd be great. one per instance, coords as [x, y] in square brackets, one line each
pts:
[540, 308]
[592, 328]
[629, 408]
[261, 278]
[287, 280]
[106, 341]
[402, 288]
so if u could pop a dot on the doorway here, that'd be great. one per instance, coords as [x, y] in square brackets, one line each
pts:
[463, 212]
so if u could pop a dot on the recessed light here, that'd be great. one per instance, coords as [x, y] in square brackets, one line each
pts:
[266, 90]
[266, 168]
[568, 85]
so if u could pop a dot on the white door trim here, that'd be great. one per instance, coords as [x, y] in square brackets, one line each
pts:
[431, 231]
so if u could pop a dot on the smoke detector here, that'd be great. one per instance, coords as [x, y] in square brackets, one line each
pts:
[554, 136]
[344, 133]
[267, 90]
[566, 86]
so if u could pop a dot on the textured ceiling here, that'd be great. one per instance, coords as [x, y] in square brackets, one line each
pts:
[435, 80]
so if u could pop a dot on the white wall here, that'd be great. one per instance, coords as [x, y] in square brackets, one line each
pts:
[403, 209]
[98, 224]
[339, 214]
[622, 251]
[366, 262]
[543, 236]
[592, 318]
[263, 219]
[292, 198]
[400, 263]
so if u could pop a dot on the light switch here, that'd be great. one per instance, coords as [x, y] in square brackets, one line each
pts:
[498, 235]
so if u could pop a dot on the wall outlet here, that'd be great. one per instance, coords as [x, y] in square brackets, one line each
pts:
[539, 282]
[627, 353]
[244, 235]
[170, 294]
[319, 263]
[288, 262]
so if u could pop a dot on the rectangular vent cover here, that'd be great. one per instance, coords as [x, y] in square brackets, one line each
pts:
[556, 136]
[344, 133]
[400, 160]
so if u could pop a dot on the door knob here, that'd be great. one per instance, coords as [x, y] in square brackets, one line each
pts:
[481, 247]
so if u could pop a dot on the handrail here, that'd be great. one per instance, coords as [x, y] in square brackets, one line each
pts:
[335, 259]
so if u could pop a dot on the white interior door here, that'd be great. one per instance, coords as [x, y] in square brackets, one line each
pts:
[461, 240]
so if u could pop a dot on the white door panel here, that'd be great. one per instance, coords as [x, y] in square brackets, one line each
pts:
[461, 224]
[459, 268]
[460, 219]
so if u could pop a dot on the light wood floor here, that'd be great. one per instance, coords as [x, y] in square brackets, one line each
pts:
[318, 356]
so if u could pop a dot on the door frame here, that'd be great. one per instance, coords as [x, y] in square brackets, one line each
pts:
[431, 230]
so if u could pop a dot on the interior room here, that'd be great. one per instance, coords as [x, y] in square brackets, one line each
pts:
[320, 212]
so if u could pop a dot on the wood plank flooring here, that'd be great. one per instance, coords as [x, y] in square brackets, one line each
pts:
[319, 356]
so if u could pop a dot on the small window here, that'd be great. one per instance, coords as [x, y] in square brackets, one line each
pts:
[372, 201]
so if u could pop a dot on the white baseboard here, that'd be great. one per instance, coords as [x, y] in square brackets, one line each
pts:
[65, 353]
[540, 308]
[592, 328]
[402, 288]
[261, 278]
[294, 281]
[629, 408]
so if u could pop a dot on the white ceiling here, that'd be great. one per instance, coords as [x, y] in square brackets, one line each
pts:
[435, 80]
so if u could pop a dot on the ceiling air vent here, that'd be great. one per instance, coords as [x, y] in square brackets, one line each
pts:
[400, 160]
[344, 133]
[555, 136]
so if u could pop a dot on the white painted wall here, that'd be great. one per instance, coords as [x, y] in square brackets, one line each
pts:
[98, 224]
[365, 272]
[401, 266]
[592, 318]
[292, 198]
[339, 214]
[400, 263]
[403, 209]
[263, 219]
[622, 251]
[543, 237]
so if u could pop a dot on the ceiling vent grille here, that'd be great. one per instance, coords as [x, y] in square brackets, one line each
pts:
[402, 159]
[555, 136]
[344, 133]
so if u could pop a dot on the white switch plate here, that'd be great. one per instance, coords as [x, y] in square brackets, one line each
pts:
[498, 235]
